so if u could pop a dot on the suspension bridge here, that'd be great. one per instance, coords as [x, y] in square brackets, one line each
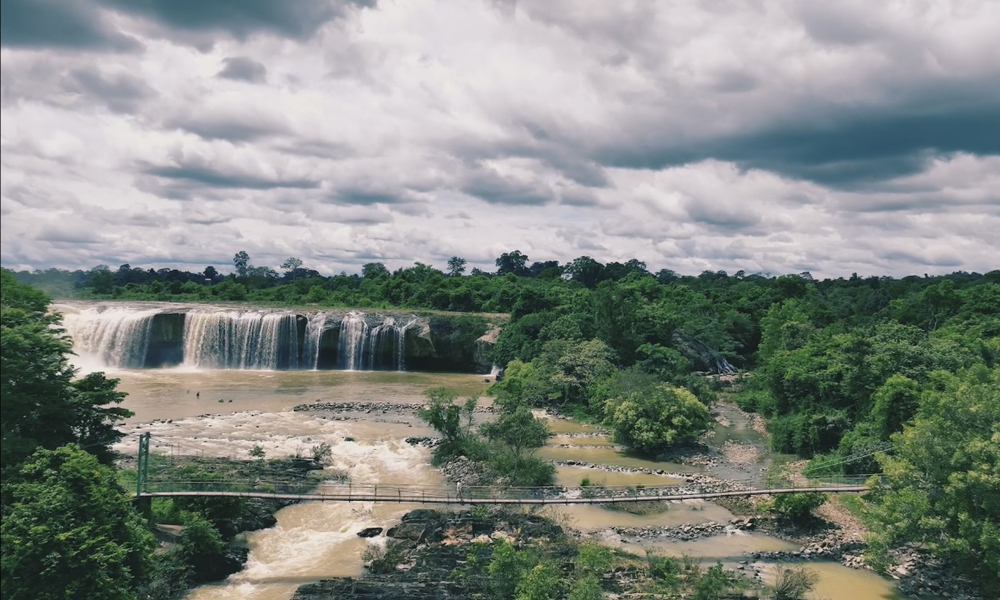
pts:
[694, 488]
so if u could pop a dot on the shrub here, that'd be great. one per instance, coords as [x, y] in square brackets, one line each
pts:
[659, 417]
[663, 567]
[793, 583]
[199, 537]
[540, 583]
[586, 588]
[714, 584]
[382, 560]
[798, 507]
[594, 558]
[322, 452]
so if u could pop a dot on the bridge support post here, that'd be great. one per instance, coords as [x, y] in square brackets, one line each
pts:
[142, 464]
[144, 506]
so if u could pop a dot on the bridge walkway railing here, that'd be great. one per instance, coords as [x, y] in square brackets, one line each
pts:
[393, 492]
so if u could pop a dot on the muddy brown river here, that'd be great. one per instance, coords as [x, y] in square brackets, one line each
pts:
[228, 412]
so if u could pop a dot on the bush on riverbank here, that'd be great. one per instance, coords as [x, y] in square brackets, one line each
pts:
[547, 563]
[501, 451]
[797, 508]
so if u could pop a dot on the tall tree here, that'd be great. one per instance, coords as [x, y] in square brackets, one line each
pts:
[242, 262]
[374, 271]
[585, 270]
[291, 263]
[518, 430]
[512, 263]
[456, 266]
[42, 404]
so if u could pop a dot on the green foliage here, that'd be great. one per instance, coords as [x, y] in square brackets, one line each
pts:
[714, 584]
[798, 507]
[657, 418]
[942, 484]
[257, 452]
[664, 568]
[69, 531]
[443, 414]
[586, 588]
[199, 537]
[322, 453]
[520, 432]
[896, 402]
[593, 558]
[793, 583]
[539, 583]
[506, 568]
[43, 406]
[381, 560]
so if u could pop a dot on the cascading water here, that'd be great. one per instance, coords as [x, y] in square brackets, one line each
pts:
[219, 338]
[314, 336]
[241, 340]
[118, 337]
[366, 348]
[353, 339]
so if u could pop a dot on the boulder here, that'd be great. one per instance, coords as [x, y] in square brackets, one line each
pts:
[369, 532]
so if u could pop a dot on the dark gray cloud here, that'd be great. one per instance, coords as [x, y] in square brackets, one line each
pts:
[204, 175]
[242, 68]
[367, 197]
[229, 125]
[298, 19]
[121, 92]
[68, 234]
[845, 148]
[489, 185]
[69, 24]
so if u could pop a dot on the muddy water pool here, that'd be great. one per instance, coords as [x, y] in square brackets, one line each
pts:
[573, 476]
[719, 547]
[611, 456]
[837, 582]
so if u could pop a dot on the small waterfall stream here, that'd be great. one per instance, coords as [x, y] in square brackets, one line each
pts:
[241, 340]
[118, 337]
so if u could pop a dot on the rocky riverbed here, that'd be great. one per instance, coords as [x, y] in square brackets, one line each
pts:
[424, 551]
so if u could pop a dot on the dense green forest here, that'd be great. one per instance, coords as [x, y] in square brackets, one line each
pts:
[861, 375]
[68, 528]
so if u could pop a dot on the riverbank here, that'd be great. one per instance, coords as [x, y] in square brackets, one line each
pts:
[183, 564]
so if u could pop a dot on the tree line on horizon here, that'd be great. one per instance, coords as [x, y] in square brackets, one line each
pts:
[893, 376]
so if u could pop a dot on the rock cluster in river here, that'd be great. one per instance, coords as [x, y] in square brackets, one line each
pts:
[433, 545]
[690, 531]
[370, 407]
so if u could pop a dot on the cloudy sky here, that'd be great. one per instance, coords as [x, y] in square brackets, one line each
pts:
[834, 136]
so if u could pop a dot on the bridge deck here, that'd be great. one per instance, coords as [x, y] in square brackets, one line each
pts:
[408, 496]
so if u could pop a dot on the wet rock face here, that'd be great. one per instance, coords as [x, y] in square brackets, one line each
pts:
[459, 344]
[166, 341]
[702, 357]
[215, 567]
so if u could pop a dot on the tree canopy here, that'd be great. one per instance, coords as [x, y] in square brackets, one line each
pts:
[43, 404]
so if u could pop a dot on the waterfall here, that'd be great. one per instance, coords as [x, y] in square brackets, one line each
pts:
[224, 338]
[366, 348]
[314, 335]
[119, 337]
[353, 338]
[241, 340]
